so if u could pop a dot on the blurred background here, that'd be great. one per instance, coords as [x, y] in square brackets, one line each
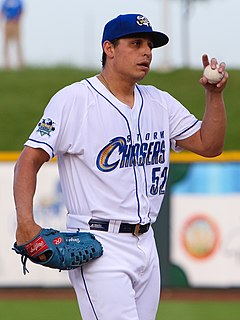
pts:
[69, 32]
[57, 42]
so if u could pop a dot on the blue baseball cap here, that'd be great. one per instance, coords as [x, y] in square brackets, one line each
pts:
[131, 25]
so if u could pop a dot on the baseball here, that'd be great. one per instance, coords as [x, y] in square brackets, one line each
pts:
[212, 75]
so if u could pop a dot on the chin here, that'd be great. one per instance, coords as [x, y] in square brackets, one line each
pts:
[142, 75]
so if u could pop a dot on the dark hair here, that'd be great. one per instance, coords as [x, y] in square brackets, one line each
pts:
[104, 57]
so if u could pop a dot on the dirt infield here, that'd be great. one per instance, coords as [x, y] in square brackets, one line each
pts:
[167, 294]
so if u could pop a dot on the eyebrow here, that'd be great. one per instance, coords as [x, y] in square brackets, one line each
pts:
[139, 38]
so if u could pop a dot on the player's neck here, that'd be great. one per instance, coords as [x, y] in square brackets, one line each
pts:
[122, 90]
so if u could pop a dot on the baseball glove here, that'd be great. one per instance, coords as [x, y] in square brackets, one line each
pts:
[59, 250]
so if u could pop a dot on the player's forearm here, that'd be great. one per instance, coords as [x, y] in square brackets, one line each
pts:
[214, 124]
[24, 188]
[25, 179]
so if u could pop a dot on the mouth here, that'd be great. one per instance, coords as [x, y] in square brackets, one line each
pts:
[144, 65]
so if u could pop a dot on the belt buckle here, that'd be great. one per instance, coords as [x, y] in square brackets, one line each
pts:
[136, 230]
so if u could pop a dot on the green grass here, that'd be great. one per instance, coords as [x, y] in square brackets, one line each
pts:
[168, 310]
[24, 95]
[39, 310]
[199, 310]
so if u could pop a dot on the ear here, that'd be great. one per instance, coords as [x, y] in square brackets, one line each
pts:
[108, 48]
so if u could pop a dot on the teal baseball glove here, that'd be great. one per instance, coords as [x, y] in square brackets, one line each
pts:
[60, 250]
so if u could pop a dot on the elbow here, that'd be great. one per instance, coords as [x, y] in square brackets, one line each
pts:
[213, 152]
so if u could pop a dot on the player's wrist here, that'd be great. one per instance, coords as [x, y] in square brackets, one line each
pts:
[25, 233]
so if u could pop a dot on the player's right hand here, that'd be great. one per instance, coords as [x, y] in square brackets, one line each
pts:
[26, 232]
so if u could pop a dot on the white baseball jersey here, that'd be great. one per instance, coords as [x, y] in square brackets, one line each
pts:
[113, 160]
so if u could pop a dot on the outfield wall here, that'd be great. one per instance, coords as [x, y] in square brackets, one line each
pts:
[49, 211]
[198, 230]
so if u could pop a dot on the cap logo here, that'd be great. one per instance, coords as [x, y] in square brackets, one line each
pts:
[143, 21]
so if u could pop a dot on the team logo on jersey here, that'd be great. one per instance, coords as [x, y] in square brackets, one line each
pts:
[46, 126]
[119, 153]
[143, 21]
[104, 155]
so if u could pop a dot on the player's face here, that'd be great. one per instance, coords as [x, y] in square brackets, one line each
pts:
[132, 57]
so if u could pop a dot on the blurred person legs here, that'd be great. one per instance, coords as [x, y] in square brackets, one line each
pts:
[12, 37]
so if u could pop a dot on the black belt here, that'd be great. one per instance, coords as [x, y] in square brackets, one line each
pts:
[135, 229]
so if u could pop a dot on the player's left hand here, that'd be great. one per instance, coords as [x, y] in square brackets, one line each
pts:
[218, 87]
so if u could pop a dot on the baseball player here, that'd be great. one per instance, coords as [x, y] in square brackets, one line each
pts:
[112, 139]
[11, 14]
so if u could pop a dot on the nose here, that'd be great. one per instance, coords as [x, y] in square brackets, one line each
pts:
[147, 49]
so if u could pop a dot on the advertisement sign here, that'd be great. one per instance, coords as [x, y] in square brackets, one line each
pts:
[205, 225]
[49, 211]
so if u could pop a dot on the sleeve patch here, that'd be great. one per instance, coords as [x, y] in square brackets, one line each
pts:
[46, 127]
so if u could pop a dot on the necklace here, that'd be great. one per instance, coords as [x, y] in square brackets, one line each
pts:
[105, 83]
[124, 100]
